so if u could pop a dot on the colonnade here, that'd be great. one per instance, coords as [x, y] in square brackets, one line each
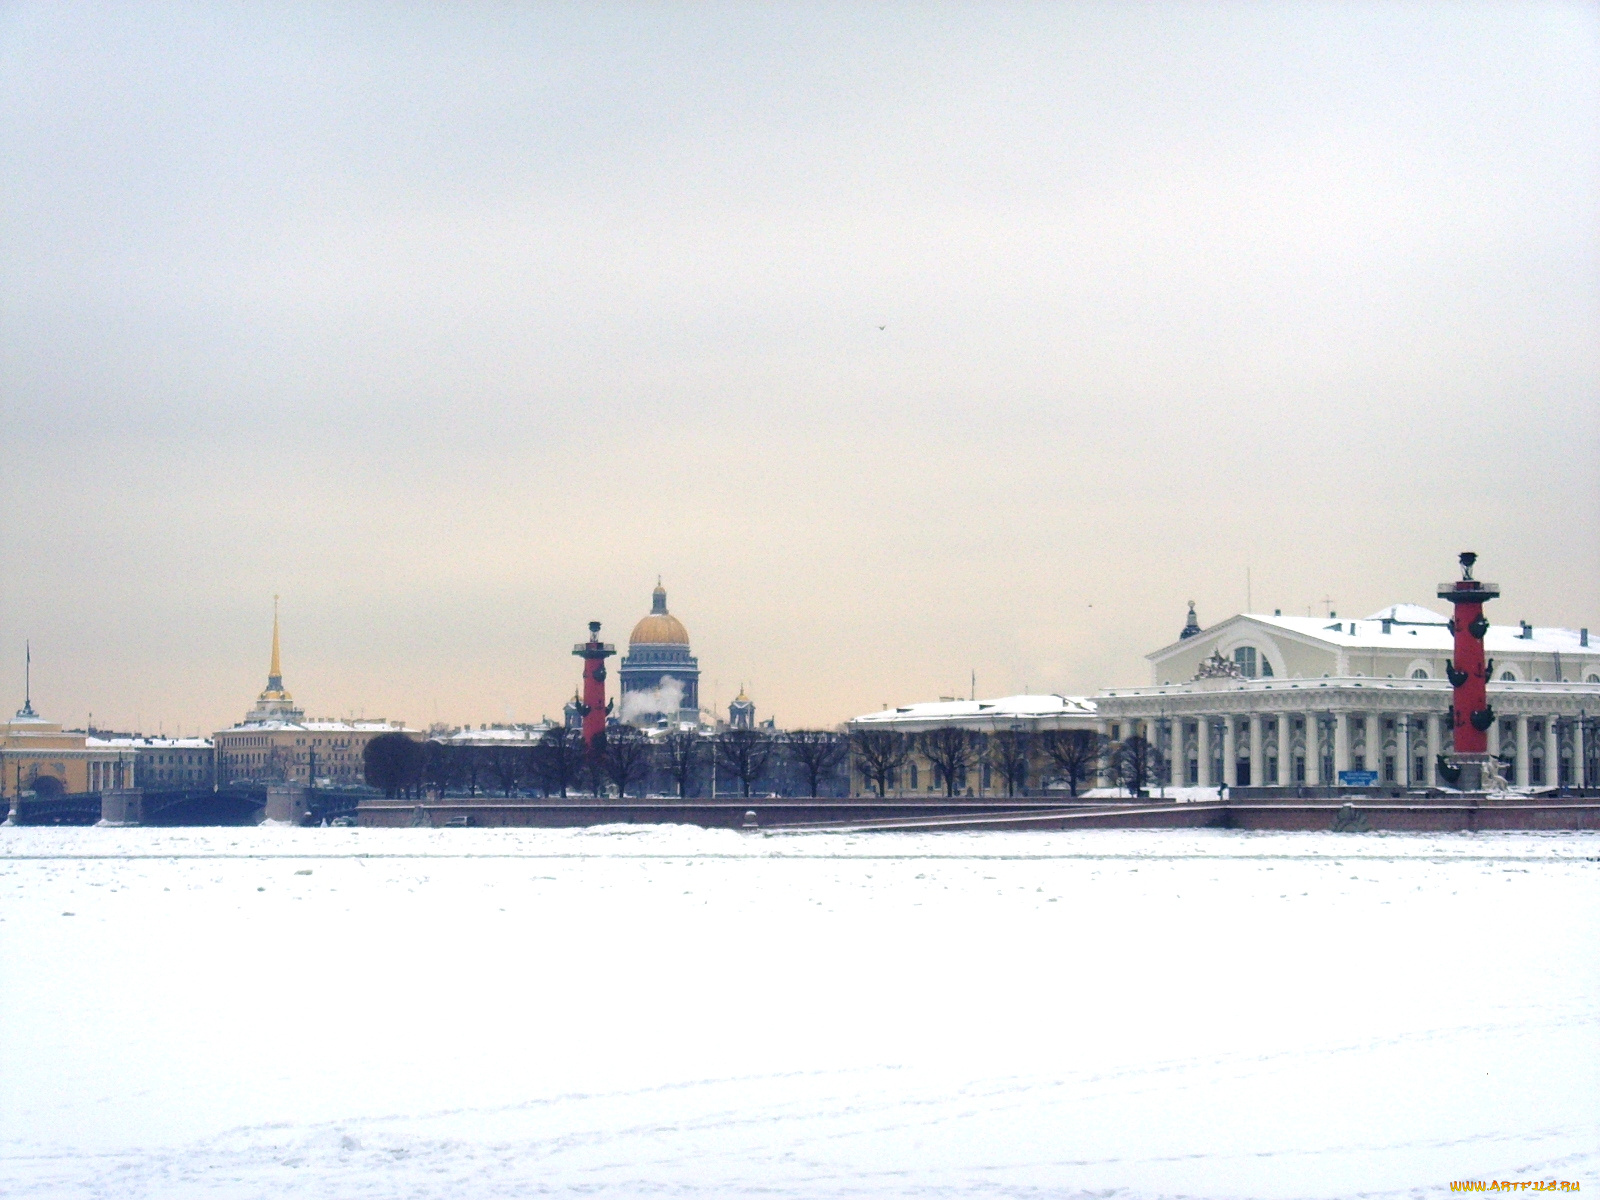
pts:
[1312, 748]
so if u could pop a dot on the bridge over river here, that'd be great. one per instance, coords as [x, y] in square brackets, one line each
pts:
[234, 805]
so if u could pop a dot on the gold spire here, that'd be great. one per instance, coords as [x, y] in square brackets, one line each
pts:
[274, 689]
[275, 671]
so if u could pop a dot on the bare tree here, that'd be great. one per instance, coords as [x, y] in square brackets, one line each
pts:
[1075, 753]
[471, 762]
[952, 751]
[627, 756]
[441, 766]
[507, 764]
[1134, 762]
[680, 755]
[816, 752]
[744, 754]
[881, 755]
[1009, 753]
[559, 751]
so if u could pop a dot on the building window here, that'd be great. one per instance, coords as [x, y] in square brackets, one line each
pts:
[1358, 762]
[1388, 768]
[1272, 768]
[1192, 772]
[1421, 769]
[1245, 659]
[1327, 768]
[1507, 677]
[1299, 768]
[913, 776]
[1419, 673]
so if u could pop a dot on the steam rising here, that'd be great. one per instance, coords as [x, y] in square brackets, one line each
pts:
[665, 698]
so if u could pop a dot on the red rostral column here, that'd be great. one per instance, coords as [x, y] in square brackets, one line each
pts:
[594, 653]
[1469, 670]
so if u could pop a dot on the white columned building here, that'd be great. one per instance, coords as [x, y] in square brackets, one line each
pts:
[1320, 692]
[1280, 702]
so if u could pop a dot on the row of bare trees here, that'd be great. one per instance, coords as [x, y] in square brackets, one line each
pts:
[622, 759]
[1073, 756]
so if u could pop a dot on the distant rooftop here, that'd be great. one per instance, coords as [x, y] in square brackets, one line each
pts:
[980, 713]
[148, 743]
[1410, 627]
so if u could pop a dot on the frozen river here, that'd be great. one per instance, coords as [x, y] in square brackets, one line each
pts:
[677, 1012]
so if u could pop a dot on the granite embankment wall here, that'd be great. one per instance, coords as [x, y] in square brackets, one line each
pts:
[1352, 813]
[710, 814]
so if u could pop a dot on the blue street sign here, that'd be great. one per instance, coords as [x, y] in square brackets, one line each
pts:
[1357, 778]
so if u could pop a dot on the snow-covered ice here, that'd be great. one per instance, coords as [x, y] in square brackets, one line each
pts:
[672, 1011]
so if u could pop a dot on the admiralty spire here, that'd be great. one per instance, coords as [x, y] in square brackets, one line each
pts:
[274, 703]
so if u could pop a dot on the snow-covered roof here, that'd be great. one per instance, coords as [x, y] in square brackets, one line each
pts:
[1412, 627]
[980, 713]
[149, 743]
[1409, 614]
[499, 735]
[319, 727]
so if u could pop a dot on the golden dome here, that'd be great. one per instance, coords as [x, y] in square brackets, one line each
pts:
[660, 627]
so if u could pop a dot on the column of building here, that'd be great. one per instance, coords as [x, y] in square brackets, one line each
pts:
[1285, 749]
[1522, 750]
[1552, 752]
[1435, 748]
[1258, 752]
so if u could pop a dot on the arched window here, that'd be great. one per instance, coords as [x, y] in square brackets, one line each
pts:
[1593, 679]
[1419, 673]
[1245, 658]
[1507, 677]
[1266, 668]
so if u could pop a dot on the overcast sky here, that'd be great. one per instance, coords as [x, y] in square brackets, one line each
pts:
[902, 342]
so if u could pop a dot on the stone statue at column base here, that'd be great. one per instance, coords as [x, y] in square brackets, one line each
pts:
[1494, 777]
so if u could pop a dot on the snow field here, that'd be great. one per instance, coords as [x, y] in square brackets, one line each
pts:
[671, 1011]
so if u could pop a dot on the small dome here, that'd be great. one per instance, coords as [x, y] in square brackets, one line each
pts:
[660, 627]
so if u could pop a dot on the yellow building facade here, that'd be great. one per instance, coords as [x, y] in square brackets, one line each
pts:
[40, 757]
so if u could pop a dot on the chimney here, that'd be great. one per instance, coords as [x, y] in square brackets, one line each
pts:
[1583, 637]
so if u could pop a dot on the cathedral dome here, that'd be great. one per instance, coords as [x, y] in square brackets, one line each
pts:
[660, 627]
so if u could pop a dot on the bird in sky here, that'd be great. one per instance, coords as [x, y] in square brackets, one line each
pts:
[883, 327]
